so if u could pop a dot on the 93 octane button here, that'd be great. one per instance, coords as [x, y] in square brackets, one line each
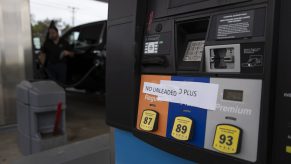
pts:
[149, 120]
[182, 128]
[227, 139]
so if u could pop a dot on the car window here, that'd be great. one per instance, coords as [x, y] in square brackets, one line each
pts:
[85, 36]
[73, 37]
[91, 34]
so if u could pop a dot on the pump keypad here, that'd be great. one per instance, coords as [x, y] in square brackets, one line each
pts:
[182, 128]
[227, 139]
[149, 120]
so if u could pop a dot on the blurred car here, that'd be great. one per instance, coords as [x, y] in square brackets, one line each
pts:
[87, 69]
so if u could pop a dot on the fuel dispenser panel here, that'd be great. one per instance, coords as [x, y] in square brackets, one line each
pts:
[220, 72]
[230, 128]
[207, 81]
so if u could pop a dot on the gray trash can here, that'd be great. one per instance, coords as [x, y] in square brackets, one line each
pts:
[36, 116]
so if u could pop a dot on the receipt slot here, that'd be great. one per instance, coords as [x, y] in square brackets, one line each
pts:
[206, 81]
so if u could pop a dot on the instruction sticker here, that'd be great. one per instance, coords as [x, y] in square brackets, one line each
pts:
[201, 95]
[235, 25]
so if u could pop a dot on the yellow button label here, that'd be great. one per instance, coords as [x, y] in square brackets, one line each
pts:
[227, 139]
[288, 149]
[182, 128]
[149, 120]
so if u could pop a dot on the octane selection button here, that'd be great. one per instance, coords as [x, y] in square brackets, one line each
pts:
[149, 120]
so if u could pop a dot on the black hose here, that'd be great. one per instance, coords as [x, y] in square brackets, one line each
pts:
[79, 81]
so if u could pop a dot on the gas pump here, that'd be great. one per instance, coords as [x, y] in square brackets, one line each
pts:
[281, 151]
[207, 77]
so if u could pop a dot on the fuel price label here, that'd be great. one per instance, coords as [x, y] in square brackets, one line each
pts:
[149, 120]
[182, 128]
[227, 139]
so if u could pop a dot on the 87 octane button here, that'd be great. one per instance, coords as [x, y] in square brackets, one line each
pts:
[227, 139]
[149, 120]
[182, 128]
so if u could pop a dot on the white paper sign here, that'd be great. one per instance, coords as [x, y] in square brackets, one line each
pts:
[160, 90]
[202, 95]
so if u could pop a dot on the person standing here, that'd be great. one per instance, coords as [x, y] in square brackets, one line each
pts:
[54, 53]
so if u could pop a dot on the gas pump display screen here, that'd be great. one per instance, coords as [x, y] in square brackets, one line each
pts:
[233, 95]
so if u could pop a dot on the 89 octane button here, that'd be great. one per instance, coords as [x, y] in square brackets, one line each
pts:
[182, 128]
[227, 139]
[149, 120]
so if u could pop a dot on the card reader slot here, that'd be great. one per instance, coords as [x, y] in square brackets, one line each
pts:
[155, 61]
[225, 59]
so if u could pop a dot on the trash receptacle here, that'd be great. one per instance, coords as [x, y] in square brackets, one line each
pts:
[41, 125]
